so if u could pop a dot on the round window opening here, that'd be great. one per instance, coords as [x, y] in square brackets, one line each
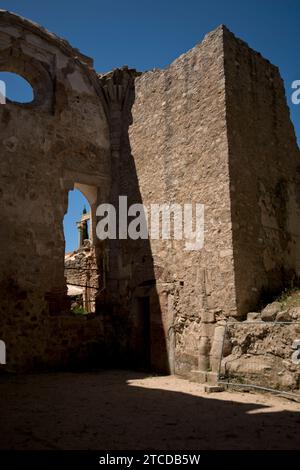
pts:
[15, 88]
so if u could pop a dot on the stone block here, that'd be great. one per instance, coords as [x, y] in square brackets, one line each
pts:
[270, 311]
[208, 317]
[212, 378]
[207, 330]
[214, 388]
[284, 316]
[215, 362]
[198, 376]
[294, 313]
[254, 316]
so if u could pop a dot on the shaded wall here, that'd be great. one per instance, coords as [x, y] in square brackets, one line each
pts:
[178, 141]
[264, 177]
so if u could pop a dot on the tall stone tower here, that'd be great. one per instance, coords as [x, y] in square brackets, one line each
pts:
[82, 227]
[212, 128]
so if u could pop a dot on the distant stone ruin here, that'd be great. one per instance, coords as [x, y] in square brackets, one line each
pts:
[81, 271]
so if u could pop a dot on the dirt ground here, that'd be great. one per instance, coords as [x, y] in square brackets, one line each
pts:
[110, 410]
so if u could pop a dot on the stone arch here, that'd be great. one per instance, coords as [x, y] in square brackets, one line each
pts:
[33, 72]
[41, 57]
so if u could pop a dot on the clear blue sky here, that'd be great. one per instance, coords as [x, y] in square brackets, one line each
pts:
[146, 34]
[77, 201]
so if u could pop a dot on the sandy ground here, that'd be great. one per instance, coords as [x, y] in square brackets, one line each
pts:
[127, 410]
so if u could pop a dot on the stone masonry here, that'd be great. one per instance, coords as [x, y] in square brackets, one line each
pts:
[211, 128]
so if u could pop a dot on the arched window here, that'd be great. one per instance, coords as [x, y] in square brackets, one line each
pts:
[15, 88]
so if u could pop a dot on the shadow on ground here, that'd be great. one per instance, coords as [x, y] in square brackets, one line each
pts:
[101, 410]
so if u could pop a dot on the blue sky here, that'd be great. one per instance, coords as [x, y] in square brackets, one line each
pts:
[77, 201]
[147, 34]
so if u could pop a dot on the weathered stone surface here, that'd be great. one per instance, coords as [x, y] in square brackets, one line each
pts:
[264, 188]
[262, 354]
[284, 316]
[294, 313]
[82, 271]
[212, 378]
[198, 376]
[207, 317]
[253, 316]
[47, 146]
[219, 347]
[270, 311]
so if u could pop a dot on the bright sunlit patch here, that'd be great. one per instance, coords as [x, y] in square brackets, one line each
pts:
[264, 409]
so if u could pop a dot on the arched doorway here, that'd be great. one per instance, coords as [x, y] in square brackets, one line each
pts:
[81, 270]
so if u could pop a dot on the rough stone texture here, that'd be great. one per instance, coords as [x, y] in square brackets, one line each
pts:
[264, 181]
[294, 313]
[81, 271]
[179, 150]
[261, 354]
[253, 316]
[270, 311]
[212, 128]
[284, 316]
[208, 129]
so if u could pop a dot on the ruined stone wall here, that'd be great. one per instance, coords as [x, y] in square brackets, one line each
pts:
[62, 137]
[81, 271]
[264, 176]
[178, 146]
[261, 354]
[213, 128]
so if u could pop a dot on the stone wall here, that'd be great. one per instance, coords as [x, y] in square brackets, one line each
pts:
[264, 177]
[46, 146]
[178, 149]
[262, 354]
[81, 271]
[212, 128]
